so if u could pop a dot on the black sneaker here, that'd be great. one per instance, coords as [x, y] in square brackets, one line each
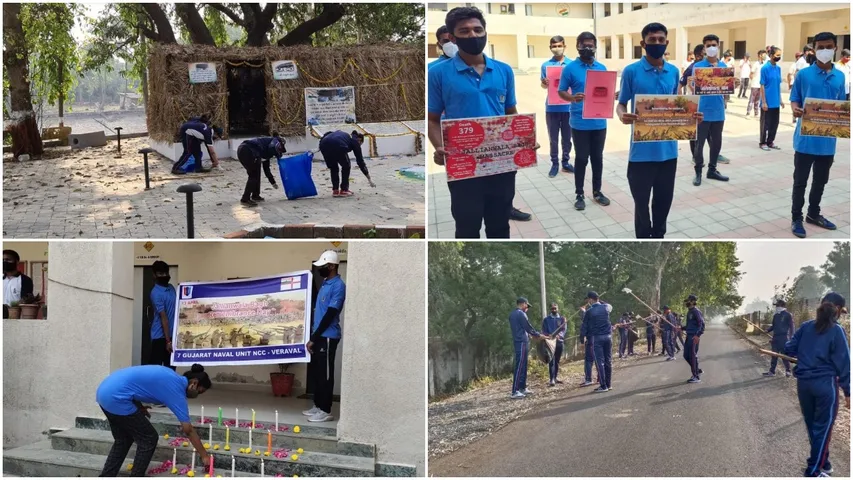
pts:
[519, 216]
[820, 221]
[600, 390]
[601, 199]
[797, 229]
[248, 203]
[258, 199]
[697, 180]
[579, 203]
[715, 175]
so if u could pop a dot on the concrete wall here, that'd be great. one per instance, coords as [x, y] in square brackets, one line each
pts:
[43, 361]
[384, 364]
[29, 251]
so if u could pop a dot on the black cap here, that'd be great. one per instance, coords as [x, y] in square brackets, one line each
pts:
[592, 295]
[834, 298]
[780, 303]
[691, 298]
[521, 300]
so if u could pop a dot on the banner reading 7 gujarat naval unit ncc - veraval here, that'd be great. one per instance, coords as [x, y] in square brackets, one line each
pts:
[243, 322]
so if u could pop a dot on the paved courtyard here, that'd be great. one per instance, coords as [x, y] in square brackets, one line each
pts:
[91, 194]
[755, 203]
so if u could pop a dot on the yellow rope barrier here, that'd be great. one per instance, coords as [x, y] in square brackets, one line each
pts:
[403, 64]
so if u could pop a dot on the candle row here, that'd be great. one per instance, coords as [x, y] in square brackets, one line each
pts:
[237, 417]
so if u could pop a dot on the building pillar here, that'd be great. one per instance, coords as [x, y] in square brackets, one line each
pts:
[628, 52]
[522, 62]
[614, 47]
[388, 413]
[614, 9]
[599, 12]
[774, 33]
[681, 47]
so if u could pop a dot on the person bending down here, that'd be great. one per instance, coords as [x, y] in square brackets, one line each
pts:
[335, 147]
[252, 155]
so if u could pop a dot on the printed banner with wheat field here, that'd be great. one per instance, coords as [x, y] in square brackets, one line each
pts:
[826, 118]
[665, 117]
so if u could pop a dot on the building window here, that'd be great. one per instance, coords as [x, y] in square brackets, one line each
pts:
[528, 10]
[620, 9]
[441, 7]
[489, 7]
[606, 9]
[638, 6]
[530, 52]
[491, 50]
[638, 51]
[608, 51]
[621, 47]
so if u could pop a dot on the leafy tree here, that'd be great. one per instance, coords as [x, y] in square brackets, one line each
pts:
[16, 59]
[757, 305]
[835, 272]
[807, 284]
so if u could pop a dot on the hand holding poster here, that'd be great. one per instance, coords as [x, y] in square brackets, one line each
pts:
[243, 322]
[552, 74]
[478, 147]
[599, 94]
[826, 118]
[665, 117]
[714, 81]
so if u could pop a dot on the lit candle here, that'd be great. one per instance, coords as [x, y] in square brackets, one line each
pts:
[220, 416]
[192, 465]
[253, 418]
[237, 417]
[175, 457]
[276, 420]
[227, 435]
[232, 465]
[262, 467]
[202, 414]
[211, 466]
[269, 441]
[251, 431]
[210, 435]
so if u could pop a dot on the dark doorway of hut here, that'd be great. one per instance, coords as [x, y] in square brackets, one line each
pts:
[247, 101]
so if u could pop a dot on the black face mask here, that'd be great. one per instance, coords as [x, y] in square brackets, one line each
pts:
[471, 45]
[586, 52]
[9, 266]
[324, 272]
[163, 281]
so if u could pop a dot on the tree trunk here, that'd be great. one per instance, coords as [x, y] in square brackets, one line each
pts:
[22, 125]
[145, 89]
[199, 33]
[61, 96]
[332, 12]
[165, 34]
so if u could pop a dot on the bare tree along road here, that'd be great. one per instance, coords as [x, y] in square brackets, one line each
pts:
[653, 423]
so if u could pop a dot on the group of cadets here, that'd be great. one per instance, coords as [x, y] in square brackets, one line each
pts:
[465, 83]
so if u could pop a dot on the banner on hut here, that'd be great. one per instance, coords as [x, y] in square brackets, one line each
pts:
[243, 322]
[284, 70]
[330, 106]
[203, 72]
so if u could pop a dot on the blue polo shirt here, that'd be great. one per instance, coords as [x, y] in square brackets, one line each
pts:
[641, 78]
[574, 77]
[771, 79]
[813, 82]
[456, 89]
[437, 61]
[153, 384]
[164, 300]
[712, 106]
[332, 295]
[555, 108]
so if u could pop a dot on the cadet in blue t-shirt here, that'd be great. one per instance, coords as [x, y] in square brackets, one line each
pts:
[557, 116]
[771, 100]
[121, 396]
[823, 366]
[164, 297]
[472, 85]
[588, 133]
[651, 165]
[325, 335]
[820, 80]
[713, 109]
[446, 48]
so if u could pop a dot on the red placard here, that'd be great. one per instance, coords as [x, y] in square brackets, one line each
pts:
[599, 94]
[552, 74]
[479, 147]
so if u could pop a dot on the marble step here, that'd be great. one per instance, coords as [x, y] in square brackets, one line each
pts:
[39, 460]
[309, 463]
[321, 439]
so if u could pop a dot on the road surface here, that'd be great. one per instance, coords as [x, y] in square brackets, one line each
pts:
[734, 423]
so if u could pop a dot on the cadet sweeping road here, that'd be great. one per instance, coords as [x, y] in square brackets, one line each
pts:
[653, 423]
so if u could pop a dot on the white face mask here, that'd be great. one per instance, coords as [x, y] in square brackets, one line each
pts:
[450, 49]
[779, 309]
[557, 51]
[826, 55]
[712, 52]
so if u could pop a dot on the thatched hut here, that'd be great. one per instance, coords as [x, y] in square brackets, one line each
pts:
[245, 99]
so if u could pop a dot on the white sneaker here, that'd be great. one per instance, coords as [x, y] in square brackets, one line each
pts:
[527, 391]
[321, 416]
[516, 395]
[312, 412]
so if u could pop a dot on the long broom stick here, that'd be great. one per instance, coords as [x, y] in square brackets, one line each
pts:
[759, 328]
[779, 355]
[654, 312]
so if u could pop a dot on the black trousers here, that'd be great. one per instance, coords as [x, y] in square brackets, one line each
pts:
[323, 368]
[768, 125]
[339, 166]
[127, 430]
[651, 341]
[192, 147]
[712, 132]
[483, 199]
[554, 365]
[803, 163]
[159, 354]
[252, 164]
[646, 178]
[589, 147]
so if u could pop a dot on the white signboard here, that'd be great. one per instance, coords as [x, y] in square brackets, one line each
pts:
[284, 70]
[330, 106]
[202, 72]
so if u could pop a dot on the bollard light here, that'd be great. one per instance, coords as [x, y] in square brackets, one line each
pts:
[190, 189]
[145, 152]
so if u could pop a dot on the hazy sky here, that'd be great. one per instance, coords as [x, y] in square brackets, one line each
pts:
[768, 263]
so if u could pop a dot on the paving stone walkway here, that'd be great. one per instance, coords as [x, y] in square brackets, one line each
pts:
[91, 194]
